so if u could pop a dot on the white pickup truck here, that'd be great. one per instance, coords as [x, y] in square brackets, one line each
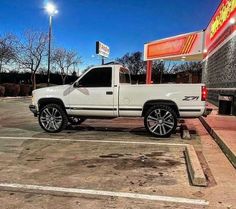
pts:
[106, 92]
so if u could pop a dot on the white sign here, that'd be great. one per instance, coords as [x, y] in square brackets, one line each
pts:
[102, 49]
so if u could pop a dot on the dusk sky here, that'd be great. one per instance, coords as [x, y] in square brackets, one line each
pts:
[124, 25]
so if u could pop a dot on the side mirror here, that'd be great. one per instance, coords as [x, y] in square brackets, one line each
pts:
[76, 85]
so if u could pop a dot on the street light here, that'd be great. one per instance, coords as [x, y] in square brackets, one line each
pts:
[51, 10]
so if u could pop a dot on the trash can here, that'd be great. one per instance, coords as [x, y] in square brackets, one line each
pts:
[225, 104]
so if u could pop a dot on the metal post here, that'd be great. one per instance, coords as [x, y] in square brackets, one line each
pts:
[49, 47]
[149, 72]
[103, 60]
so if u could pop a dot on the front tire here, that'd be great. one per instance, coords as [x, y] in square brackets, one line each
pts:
[52, 118]
[160, 121]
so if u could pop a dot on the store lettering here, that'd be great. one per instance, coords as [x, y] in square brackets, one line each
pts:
[222, 16]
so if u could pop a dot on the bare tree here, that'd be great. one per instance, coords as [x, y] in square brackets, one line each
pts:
[157, 70]
[160, 67]
[134, 62]
[32, 52]
[188, 66]
[7, 49]
[66, 61]
[169, 67]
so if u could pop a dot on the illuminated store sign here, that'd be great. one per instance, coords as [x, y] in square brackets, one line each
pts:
[223, 14]
[187, 44]
[222, 25]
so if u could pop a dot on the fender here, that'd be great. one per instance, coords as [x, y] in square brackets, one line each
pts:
[44, 101]
[151, 103]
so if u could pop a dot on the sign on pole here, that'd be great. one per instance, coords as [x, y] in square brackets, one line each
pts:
[102, 50]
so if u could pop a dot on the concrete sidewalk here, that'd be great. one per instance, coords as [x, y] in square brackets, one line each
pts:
[223, 130]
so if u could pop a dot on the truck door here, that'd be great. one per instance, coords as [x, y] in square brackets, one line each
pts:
[93, 94]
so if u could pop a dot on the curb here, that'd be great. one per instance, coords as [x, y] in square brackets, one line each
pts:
[194, 167]
[219, 140]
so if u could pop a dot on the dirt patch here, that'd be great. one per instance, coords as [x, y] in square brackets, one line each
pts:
[155, 154]
[120, 162]
[91, 166]
[144, 162]
[115, 155]
[64, 167]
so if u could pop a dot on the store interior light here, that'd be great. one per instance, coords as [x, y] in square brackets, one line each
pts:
[205, 50]
[232, 20]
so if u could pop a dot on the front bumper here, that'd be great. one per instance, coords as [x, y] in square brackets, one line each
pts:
[33, 109]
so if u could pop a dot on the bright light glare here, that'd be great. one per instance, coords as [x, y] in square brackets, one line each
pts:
[51, 9]
[232, 20]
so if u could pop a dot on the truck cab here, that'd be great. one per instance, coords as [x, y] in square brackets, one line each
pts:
[95, 93]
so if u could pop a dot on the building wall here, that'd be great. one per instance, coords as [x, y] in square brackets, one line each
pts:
[219, 72]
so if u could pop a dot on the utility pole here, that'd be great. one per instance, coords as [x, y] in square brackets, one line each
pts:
[51, 10]
[49, 47]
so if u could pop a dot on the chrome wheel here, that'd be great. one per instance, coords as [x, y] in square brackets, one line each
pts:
[51, 119]
[160, 121]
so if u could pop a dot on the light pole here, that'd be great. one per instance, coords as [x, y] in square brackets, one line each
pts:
[51, 10]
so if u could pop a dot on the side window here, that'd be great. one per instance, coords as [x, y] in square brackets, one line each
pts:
[124, 76]
[97, 77]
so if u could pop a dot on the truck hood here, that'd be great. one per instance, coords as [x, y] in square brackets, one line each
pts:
[51, 89]
[54, 91]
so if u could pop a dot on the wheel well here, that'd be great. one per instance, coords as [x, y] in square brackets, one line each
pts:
[46, 101]
[152, 103]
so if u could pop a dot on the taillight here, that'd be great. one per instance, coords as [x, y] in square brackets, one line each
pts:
[204, 93]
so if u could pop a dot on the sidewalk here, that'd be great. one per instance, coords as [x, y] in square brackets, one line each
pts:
[223, 130]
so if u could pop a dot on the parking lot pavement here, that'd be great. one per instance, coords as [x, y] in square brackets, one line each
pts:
[100, 164]
[96, 166]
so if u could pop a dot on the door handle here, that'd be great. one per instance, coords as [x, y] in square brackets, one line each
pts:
[109, 92]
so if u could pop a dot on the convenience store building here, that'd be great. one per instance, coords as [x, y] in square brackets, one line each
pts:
[214, 46]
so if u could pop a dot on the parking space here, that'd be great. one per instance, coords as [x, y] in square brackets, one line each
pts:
[102, 166]
[82, 165]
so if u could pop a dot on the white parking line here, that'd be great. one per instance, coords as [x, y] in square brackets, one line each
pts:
[48, 189]
[94, 141]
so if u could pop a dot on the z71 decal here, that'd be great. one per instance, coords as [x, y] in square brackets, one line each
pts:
[191, 98]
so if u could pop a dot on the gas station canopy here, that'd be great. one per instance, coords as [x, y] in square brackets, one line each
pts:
[185, 47]
[195, 46]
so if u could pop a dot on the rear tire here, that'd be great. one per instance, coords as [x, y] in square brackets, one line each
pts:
[52, 118]
[160, 120]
